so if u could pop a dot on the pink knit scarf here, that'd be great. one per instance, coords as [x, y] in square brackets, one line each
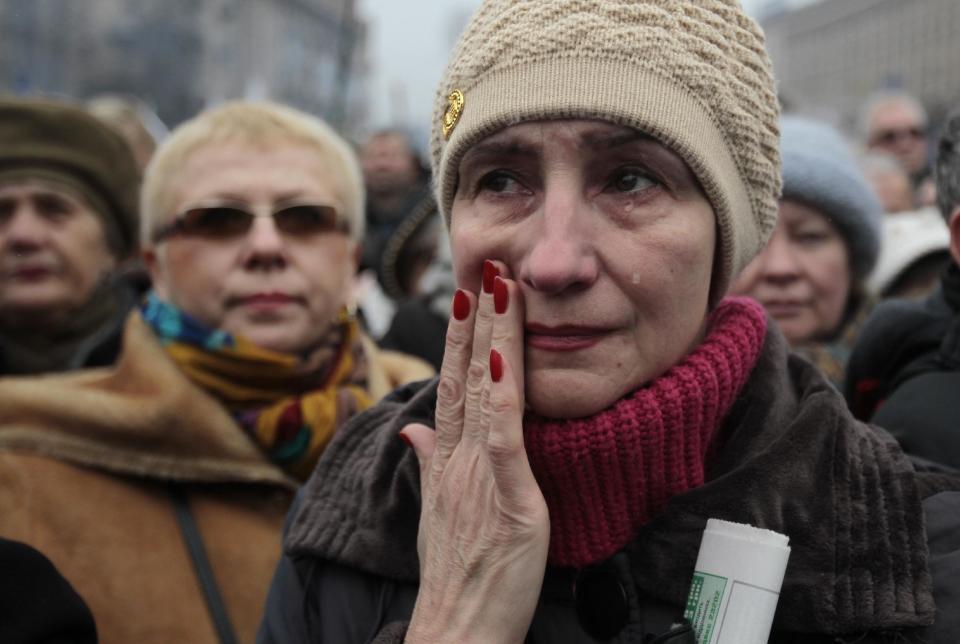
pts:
[605, 476]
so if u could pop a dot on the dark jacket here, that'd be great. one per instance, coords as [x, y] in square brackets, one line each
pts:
[417, 329]
[789, 458]
[399, 245]
[37, 605]
[904, 374]
[94, 337]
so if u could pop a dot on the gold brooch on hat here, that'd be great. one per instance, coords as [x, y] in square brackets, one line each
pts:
[454, 110]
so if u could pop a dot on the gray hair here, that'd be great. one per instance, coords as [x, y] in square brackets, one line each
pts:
[947, 167]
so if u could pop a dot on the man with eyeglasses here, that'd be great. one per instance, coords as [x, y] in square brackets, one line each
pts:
[895, 123]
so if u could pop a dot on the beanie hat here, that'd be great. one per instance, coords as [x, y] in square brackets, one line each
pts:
[59, 142]
[691, 73]
[820, 171]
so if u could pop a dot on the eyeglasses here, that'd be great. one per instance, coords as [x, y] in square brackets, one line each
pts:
[889, 137]
[218, 221]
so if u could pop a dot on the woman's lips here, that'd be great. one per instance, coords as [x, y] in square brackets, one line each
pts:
[784, 308]
[31, 273]
[266, 300]
[563, 338]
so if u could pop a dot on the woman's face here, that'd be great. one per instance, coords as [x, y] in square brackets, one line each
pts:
[53, 253]
[280, 290]
[611, 241]
[802, 277]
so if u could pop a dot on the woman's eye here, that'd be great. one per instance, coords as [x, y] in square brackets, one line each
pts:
[812, 238]
[53, 207]
[631, 181]
[498, 181]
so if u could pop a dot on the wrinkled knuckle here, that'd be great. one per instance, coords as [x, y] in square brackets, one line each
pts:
[475, 418]
[458, 342]
[476, 372]
[449, 394]
[483, 322]
[447, 418]
[502, 448]
[501, 335]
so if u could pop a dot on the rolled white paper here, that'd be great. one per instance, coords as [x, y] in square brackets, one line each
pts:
[736, 584]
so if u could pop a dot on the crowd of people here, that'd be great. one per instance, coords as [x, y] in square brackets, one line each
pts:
[262, 383]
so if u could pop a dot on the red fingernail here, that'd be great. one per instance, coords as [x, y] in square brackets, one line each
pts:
[496, 365]
[405, 439]
[501, 295]
[461, 305]
[489, 273]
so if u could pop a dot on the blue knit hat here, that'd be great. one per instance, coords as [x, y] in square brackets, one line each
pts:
[819, 170]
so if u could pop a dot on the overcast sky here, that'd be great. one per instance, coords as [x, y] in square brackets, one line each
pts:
[410, 41]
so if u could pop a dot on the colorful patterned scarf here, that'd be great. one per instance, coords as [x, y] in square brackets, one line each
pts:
[291, 405]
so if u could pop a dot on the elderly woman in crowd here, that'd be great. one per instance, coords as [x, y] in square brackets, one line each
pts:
[812, 274]
[68, 219]
[159, 487]
[606, 169]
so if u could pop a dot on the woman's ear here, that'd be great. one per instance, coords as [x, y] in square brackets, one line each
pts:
[151, 259]
[954, 224]
[357, 254]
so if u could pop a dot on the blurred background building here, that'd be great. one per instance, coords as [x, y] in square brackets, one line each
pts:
[829, 56]
[367, 64]
[181, 55]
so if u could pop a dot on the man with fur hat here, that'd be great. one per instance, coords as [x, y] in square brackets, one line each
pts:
[904, 373]
[68, 218]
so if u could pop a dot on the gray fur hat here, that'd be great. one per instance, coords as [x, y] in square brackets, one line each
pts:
[819, 170]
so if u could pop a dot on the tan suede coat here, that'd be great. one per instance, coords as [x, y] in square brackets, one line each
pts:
[87, 461]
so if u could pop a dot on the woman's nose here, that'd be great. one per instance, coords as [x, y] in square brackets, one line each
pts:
[780, 261]
[561, 254]
[264, 246]
[25, 227]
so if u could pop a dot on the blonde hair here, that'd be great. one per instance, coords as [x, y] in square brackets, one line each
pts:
[257, 124]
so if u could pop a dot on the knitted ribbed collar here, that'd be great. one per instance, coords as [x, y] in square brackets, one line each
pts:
[606, 475]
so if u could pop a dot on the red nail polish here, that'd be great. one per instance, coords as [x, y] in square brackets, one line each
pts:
[461, 305]
[496, 365]
[489, 273]
[501, 295]
[405, 439]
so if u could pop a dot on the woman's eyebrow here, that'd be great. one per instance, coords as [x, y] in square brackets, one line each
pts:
[619, 138]
[496, 149]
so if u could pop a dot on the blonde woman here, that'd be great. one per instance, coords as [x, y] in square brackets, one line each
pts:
[158, 488]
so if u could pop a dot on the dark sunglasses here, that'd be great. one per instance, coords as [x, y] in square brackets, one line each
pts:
[889, 137]
[222, 221]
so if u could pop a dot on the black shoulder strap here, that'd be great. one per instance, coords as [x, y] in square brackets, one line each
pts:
[201, 566]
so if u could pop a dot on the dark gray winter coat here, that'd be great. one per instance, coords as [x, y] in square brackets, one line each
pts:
[875, 542]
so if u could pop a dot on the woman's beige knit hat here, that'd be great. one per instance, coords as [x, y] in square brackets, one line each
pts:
[692, 73]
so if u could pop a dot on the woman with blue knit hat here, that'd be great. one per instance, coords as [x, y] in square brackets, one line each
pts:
[811, 276]
[605, 170]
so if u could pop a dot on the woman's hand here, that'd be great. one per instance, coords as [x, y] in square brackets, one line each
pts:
[484, 528]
